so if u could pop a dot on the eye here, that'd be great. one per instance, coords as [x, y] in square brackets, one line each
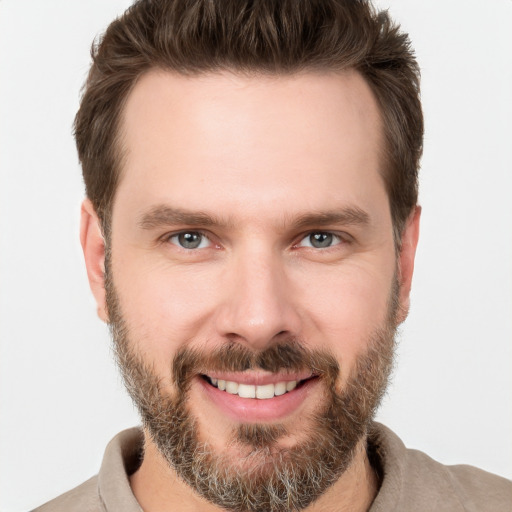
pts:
[190, 240]
[320, 240]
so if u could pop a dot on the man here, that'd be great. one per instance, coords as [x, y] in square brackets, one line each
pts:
[249, 236]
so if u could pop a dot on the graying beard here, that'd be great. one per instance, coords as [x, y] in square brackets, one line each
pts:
[277, 481]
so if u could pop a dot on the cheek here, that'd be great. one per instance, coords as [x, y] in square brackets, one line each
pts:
[164, 308]
[345, 308]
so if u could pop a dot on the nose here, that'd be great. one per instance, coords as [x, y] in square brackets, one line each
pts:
[258, 306]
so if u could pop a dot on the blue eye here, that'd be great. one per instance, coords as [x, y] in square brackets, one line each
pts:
[320, 240]
[190, 240]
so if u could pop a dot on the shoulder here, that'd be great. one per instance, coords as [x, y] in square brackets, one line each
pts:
[84, 498]
[110, 489]
[473, 488]
[411, 480]
[482, 488]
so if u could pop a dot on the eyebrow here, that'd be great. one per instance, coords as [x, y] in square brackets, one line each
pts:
[163, 215]
[347, 216]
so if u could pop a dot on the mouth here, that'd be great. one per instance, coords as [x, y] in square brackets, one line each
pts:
[248, 398]
[261, 392]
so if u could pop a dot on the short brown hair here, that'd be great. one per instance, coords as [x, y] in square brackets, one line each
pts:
[267, 36]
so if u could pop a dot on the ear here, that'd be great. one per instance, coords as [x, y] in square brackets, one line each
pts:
[406, 261]
[93, 245]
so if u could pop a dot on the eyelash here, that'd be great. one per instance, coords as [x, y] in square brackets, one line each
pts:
[204, 236]
[339, 238]
[334, 237]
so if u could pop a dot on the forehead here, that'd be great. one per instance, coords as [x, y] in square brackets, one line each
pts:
[249, 141]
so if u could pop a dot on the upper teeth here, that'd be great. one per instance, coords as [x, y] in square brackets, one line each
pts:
[251, 391]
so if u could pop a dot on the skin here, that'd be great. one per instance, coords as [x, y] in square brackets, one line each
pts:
[257, 154]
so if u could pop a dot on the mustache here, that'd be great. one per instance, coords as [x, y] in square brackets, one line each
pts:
[286, 356]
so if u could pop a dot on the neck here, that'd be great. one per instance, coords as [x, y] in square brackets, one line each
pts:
[158, 488]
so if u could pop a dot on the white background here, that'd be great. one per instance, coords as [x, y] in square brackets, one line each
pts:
[60, 397]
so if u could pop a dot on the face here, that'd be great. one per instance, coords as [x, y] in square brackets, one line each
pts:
[253, 283]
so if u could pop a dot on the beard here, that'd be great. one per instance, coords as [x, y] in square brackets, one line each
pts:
[266, 477]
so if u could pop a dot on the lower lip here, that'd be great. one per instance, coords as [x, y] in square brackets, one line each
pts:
[254, 410]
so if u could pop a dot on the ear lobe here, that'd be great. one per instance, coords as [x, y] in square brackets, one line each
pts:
[407, 254]
[93, 246]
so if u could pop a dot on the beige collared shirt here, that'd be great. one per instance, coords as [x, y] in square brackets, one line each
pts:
[411, 481]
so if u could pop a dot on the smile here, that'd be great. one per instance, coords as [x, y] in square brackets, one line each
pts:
[261, 392]
[254, 397]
